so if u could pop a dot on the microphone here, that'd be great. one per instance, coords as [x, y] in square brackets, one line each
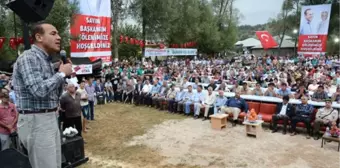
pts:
[63, 56]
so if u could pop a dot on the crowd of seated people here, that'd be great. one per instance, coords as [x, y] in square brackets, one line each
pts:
[195, 86]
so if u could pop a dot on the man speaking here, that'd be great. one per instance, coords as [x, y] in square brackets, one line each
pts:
[38, 87]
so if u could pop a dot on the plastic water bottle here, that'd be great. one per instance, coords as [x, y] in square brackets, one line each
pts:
[245, 118]
[260, 117]
[327, 131]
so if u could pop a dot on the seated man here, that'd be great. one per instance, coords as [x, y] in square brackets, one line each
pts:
[284, 111]
[209, 102]
[153, 92]
[284, 91]
[171, 98]
[160, 97]
[138, 92]
[179, 100]
[199, 99]
[270, 92]
[146, 92]
[324, 117]
[320, 94]
[220, 101]
[234, 106]
[188, 98]
[303, 113]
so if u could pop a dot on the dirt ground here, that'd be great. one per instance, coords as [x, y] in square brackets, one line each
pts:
[129, 136]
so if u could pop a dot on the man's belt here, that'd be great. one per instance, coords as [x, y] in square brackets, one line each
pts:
[38, 111]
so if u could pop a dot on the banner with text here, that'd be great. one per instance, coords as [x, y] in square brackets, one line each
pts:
[91, 30]
[169, 52]
[82, 69]
[314, 25]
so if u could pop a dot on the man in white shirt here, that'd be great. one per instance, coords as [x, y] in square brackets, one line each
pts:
[146, 90]
[284, 111]
[108, 91]
[209, 102]
[198, 101]
[73, 80]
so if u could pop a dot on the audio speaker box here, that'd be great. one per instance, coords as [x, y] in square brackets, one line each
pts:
[73, 151]
[31, 10]
[11, 158]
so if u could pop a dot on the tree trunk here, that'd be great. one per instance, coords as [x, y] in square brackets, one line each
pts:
[116, 6]
[283, 31]
[143, 28]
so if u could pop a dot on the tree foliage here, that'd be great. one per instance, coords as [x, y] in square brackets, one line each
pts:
[60, 16]
[180, 21]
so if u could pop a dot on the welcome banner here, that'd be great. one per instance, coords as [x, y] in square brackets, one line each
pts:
[92, 29]
[169, 52]
[314, 29]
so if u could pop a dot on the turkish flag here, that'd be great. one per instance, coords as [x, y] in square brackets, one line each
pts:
[13, 43]
[266, 39]
[121, 38]
[132, 41]
[2, 41]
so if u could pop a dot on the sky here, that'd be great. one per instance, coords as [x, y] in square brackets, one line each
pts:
[254, 11]
[257, 11]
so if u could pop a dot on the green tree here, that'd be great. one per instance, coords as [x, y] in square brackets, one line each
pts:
[181, 21]
[60, 16]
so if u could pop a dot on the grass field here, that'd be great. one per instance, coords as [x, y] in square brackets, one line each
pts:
[114, 125]
[127, 136]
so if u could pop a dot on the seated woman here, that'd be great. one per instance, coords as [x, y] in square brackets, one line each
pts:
[257, 90]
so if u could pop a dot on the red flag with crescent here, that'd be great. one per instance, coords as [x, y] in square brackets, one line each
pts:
[2, 41]
[266, 39]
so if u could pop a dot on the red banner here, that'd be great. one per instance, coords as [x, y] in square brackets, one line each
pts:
[94, 37]
[312, 44]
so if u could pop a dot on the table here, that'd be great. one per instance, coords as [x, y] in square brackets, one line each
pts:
[218, 121]
[330, 138]
[254, 129]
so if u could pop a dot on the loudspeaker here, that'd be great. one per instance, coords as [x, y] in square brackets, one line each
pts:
[11, 158]
[73, 151]
[31, 10]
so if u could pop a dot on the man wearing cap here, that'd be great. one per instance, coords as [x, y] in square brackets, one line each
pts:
[324, 117]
